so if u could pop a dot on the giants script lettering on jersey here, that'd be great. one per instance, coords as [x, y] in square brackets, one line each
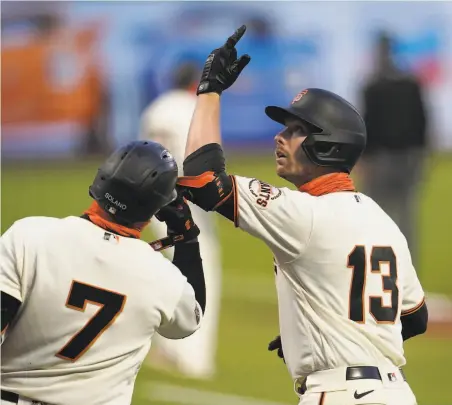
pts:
[263, 192]
[118, 203]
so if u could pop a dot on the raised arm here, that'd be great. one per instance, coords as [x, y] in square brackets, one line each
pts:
[205, 124]
[221, 70]
[254, 206]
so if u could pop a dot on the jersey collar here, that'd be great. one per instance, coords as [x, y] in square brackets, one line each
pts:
[328, 183]
[100, 218]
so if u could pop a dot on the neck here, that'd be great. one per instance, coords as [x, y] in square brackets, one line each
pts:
[328, 183]
[100, 218]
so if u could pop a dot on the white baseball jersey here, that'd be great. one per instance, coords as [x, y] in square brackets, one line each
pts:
[167, 121]
[91, 302]
[343, 275]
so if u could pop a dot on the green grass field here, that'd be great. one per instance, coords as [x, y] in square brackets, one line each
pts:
[249, 312]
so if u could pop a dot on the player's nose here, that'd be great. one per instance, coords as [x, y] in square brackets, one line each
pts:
[278, 138]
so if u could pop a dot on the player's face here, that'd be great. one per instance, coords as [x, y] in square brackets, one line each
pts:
[288, 152]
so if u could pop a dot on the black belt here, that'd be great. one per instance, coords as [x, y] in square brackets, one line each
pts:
[357, 373]
[10, 396]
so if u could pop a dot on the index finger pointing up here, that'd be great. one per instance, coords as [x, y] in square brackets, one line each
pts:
[235, 37]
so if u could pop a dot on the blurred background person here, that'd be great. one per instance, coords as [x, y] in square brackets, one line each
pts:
[166, 120]
[397, 145]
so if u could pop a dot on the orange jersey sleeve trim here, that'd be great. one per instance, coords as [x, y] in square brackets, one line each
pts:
[414, 309]
[236, 201]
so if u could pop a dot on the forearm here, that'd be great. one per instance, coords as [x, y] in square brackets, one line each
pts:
[187, 259]
[205, 123]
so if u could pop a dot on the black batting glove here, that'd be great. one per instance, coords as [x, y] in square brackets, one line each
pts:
[179, 221]
[222, 68]
[276, 344]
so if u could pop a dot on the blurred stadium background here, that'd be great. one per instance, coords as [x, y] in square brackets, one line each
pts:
[77, 75]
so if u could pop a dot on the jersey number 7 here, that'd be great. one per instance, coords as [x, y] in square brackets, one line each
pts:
[111, 305]
[357, 260]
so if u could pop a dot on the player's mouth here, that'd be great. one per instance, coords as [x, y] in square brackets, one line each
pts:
[280, 156]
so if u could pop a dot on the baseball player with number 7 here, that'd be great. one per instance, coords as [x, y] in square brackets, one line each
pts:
[82, 297]
[348, 294]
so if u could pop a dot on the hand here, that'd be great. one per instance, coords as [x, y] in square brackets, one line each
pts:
[276, 344]
[222, 68]
[179, 221]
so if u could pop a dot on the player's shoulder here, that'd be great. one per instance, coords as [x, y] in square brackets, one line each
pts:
[28, 230]
[33, 224]
[379, 215]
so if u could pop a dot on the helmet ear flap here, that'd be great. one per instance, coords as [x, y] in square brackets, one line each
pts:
[325, 153]
[308, 146]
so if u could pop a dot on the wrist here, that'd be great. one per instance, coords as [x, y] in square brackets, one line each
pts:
[209, 96]
[209, 87]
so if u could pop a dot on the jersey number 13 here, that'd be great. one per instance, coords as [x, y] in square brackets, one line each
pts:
[357, 260]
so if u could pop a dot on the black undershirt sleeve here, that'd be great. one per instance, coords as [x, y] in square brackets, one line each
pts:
[187, 259]
[227, 208]
[415, 323]
[9, 308]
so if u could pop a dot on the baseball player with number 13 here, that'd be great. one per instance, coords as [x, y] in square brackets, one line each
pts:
[348, 294]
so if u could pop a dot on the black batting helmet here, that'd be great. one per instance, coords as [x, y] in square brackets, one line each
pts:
[337, 133]
[135, 182]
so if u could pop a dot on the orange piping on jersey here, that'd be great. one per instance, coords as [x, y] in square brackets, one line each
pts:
[236, 201]
[414, 309]
[101, 307]
[378, 270]
[85, 303]
[99, 217]
[363, 289]
[196, 181]
[5, 328]
[329, 183]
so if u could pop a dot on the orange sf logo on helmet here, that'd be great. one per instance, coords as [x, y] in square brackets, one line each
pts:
[299, 95]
